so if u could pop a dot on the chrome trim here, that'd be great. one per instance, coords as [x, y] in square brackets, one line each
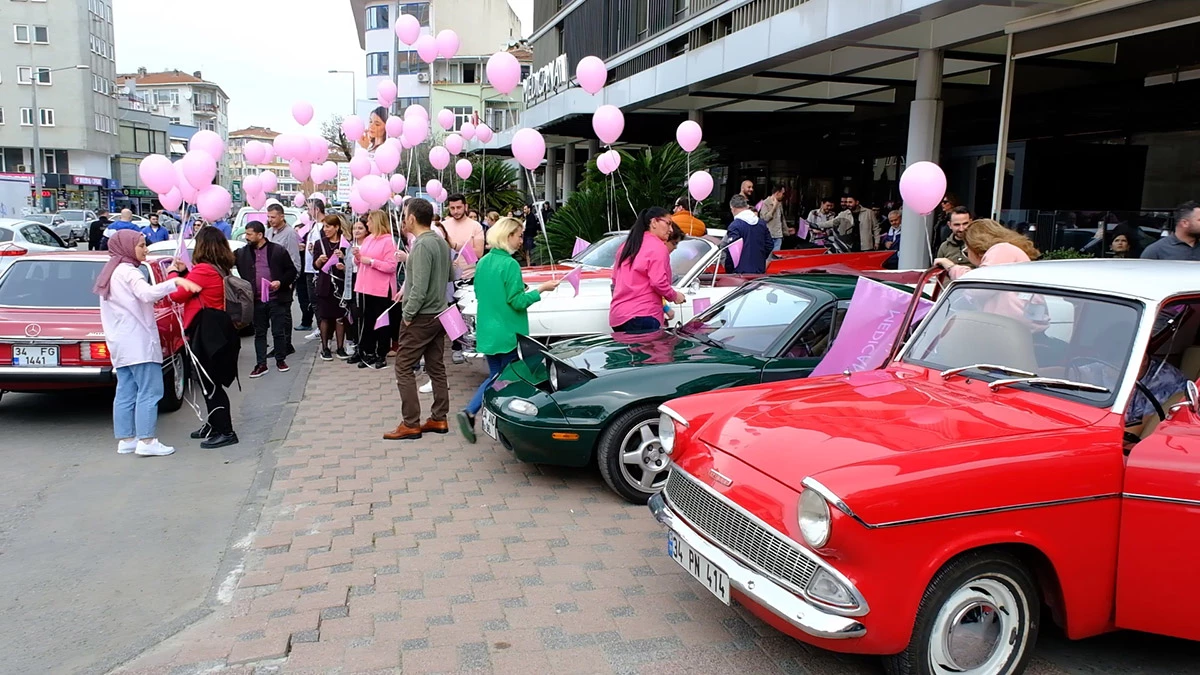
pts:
[761, 589]
[834, 500]
[52, 373]
[1164, 500]
[800, 549]
[946, 374]
[673, 415]
[995, 509]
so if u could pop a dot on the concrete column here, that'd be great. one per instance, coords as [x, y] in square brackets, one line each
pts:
[593, 148]
[552, 177]
[568, 172]
[1002, 140]
[696, 116]
[924, 144]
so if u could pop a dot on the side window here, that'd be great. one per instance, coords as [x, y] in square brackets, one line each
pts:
[815, 338]
[144, 268]
[38, 234]
[6, 235]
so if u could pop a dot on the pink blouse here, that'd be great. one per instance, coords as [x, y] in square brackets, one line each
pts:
[639, 285]
[378, 276]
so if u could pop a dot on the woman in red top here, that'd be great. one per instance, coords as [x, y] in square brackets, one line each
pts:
[212, 337]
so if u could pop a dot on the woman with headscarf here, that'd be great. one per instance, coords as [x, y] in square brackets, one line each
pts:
[376, 131]
[131, 331]
[642, 275]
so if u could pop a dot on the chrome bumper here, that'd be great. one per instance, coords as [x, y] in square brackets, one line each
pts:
[760, 589]
[58, 374]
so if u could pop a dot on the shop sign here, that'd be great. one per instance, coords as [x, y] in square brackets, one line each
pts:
[87, 180]
[547, 80]
[344, 181]
[112, 184]
[236, 190]
[140, 192]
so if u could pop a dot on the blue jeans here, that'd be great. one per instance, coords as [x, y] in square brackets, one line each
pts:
[778, 243]
[135, 408]
[496, 365]
[639, 324]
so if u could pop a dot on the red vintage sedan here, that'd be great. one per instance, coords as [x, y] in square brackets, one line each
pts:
[1035, 444]
[51, 337]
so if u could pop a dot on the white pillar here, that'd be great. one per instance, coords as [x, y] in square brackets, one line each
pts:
[924, 144]
[568, 172]
[1002, 141]
[552, 177]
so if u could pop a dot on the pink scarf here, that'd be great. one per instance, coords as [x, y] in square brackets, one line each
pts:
[122, 248]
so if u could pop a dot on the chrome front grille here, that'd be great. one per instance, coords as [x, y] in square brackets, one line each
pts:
[738, 533]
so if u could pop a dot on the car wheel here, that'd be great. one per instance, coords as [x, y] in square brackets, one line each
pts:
[174, 383]
[631, 457]
[979, 616]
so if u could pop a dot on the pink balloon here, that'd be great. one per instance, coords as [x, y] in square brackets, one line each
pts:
[270, 182]
[454, 143]
[404, 142]
[387, 157]
[209, 143]
[398, 183]
[467, 130]
[446, 119]
[353, 128]
[614, 159]
[688, 135]
[374, 190]
[157, 173]
[463, 168]
[397, 200]
[298, 202]
[433, 186]
[447, 44]
[199, 168]
[252, 185]
[439, 157]
[484, 133]
[254, 152]
[923, 185]
[268, 153]
[386, 93]
[529, 148]
[608, 122]
[302, 112]
[394, 126]
[416, 111]
[700, 185]
[503, 72]
[301, 170]
[214, 203]
[416, 130]
[427, 48]
[408, 29]
[257, 200]
[189, 193]
[358, 204]
[172, 199]
[318, 149]
[360, 166]
[604, 163]
[592, 74]
[331, 171]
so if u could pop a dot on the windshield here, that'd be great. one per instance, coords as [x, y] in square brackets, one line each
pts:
[50, 283]
[602, 253]
[752, 320]
[45, 219]
[1079, 338]
[686, 256]
[71, 215]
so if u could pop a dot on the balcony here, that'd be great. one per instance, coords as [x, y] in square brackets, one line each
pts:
[205, 108]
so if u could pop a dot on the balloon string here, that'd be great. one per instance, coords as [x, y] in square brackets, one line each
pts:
[686, 179]
[627, 197]
[541, 220]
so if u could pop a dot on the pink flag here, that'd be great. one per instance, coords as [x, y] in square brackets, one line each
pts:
[264, 289]
[871, 327]
[182, 254]
[735, 251]
[580, 246]
[453, 322]
[303, 232]
[344, 243]
[802, 229]
[382, 321]
[573, 278]
[468, 253]
[333, 260]
[700, 304]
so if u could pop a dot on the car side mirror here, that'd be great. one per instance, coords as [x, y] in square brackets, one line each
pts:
[693, 288]
[1191, 399]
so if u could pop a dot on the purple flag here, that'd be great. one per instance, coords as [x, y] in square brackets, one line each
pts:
[700, 304]
[182, 254]
[344, 243]
[453, 322]
[187, 231]
[802, 229]
[735, 251]
[303, 232]
[870, 329]
[382, 321]
[333, 260]
[580, 246]
[264, 289]
[573, 279]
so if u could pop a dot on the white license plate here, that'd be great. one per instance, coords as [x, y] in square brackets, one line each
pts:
[35, 356]
[713, 577]
[489, 424]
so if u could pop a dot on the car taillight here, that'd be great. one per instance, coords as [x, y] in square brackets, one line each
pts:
[12, 250]
[6, 352]
[93, 351]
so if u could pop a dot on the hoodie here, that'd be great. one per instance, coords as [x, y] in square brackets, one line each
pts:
[756, 247]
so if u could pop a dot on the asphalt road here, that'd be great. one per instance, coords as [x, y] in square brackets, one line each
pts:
[104, 555]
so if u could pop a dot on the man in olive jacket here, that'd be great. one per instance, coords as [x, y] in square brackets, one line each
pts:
[427, 273]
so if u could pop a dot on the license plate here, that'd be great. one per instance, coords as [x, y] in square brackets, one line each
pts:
[35, 356]
[713, 577]
[489, 424]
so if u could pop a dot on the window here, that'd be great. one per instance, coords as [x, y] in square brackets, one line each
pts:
[41, 35]
[377, 17]
[408, 63]
[49, 162]
[462, 115]
[377, 63]
[422, 101]
[47, 117]
[25, 75]
[750, 321]
[468, 73]
[1, 115]
[417, 9]
[21, 33]
[165, 96]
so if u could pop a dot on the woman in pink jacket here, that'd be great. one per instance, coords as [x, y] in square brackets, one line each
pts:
[375, 261]
[642, 275]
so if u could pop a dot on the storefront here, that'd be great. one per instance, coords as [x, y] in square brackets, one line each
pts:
[80, 192]
[139, 200]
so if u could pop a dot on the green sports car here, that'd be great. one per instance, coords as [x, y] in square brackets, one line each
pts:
[596, 398]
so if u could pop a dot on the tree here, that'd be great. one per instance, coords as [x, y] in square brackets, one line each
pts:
[331, 130]
[500, 180]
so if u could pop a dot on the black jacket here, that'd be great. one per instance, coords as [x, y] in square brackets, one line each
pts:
[96, 232]
[280, 263]
[215, 342]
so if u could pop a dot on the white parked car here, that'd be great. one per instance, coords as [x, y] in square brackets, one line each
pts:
[19, 236]
[238, 227]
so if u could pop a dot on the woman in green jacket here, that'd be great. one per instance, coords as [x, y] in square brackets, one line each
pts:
[502, 300]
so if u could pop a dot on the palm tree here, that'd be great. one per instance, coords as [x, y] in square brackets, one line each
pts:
[498, 177]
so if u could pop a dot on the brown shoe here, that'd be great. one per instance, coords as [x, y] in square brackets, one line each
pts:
[433, 426]
[403, 433]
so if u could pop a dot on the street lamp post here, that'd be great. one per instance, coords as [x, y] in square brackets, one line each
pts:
[37, 123]
[353, 88]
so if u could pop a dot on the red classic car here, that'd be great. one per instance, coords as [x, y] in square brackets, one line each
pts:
[1035, 443]
[50, 331]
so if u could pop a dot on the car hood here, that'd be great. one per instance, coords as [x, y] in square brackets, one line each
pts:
[607, 354]
[52, 324]
[827, 427]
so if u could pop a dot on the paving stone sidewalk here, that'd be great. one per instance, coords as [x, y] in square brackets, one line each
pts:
[436, 555]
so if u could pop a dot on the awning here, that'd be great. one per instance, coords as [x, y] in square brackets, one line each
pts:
[178, 148]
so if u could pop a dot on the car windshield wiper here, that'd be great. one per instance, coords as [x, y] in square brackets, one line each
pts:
[946, 374]
[1051, 383]
[706, 340]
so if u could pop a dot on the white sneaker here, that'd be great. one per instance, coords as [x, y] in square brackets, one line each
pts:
[426, 388]
[126, 447]
[313, 335]
[155, 449]
[457, 356]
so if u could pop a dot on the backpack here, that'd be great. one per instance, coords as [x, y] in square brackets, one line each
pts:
[239, 299]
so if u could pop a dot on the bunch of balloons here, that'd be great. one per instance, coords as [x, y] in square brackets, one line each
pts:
[190, 180]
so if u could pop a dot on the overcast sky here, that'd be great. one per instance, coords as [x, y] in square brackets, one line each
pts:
[264, 55]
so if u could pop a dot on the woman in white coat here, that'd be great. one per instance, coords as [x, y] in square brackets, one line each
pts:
[127, 312]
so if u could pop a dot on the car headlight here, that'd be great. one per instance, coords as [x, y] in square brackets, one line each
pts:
[814, 518]
[522, 407]
[554, 377]
[827, 588]
[666, 433]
